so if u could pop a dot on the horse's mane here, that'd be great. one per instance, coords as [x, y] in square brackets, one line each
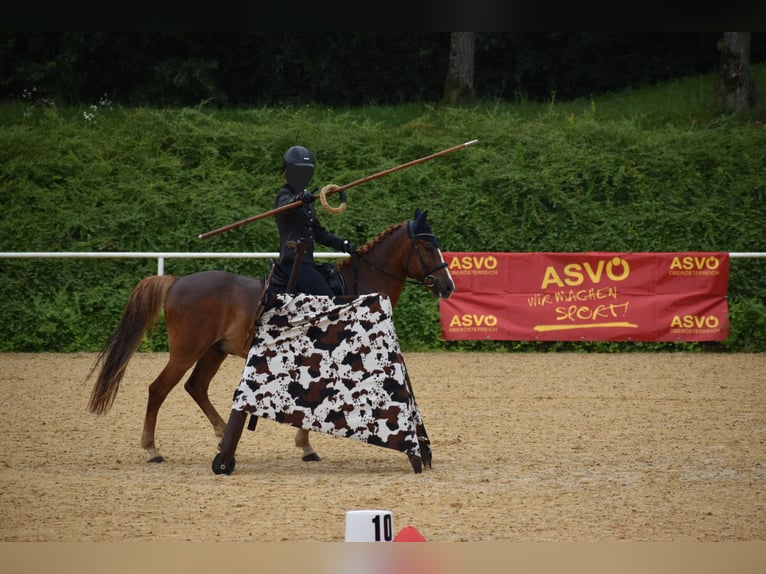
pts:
[364, 249]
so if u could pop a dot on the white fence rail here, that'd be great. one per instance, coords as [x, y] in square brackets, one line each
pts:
[160, 256]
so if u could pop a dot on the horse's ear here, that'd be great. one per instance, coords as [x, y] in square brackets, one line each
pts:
[417, 214]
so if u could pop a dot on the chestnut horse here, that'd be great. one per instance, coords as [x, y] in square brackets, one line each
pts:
[210, 315]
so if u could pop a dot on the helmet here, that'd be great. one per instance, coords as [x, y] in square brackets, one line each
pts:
[298, 163]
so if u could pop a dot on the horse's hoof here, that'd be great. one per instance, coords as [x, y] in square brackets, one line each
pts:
[157, 458]
[417, 464]
[222, 467]
[313, 457]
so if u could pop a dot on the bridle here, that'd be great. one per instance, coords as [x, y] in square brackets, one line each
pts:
[428, 279]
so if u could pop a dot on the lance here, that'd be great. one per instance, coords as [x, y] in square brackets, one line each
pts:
[330, 189]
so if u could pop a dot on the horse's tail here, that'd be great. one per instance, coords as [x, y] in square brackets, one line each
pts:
[141, 313]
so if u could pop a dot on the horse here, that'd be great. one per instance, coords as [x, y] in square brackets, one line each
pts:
[210, 315]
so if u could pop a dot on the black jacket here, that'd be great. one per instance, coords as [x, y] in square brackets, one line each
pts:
[301, 224]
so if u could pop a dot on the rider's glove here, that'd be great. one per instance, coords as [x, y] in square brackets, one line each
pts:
[306, 197]
[348, 247]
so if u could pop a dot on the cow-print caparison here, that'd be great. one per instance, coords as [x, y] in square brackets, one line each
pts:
[333, 365]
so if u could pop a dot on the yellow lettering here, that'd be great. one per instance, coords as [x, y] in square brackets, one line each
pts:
[617, 263]
[690, 263]
[616, 269]
[551, 277]
[595, 276]
[695, 322]
[472, 320]
[473, 262]
[573, 272]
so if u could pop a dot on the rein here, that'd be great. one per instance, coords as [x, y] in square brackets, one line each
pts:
[428, 279]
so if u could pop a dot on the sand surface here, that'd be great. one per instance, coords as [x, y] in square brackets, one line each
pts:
[526, 447]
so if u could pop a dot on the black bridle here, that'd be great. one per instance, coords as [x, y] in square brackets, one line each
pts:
[428, 279]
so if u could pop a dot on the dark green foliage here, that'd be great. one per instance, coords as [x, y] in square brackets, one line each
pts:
[158, 69]
[657, 169]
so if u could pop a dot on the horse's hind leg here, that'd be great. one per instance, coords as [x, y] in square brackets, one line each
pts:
[199, 382]
[158, 392]
[302, 442]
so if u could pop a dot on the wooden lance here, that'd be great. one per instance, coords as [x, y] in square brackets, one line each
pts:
[335, 189]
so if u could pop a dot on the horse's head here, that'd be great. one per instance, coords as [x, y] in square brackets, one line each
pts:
[403, 253]
[429, 267]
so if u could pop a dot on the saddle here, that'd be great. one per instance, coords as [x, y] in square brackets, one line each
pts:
[333, 277]
[278, 280]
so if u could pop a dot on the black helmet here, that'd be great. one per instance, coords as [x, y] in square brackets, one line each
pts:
[298, 163]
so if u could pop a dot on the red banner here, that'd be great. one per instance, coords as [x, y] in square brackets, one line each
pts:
[594, 296]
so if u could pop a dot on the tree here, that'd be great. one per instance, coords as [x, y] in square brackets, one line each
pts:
[736, 90]
[459, 84]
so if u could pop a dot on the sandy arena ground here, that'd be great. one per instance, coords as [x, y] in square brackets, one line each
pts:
[526, 447]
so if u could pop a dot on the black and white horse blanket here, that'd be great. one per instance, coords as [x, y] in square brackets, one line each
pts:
[333, 365]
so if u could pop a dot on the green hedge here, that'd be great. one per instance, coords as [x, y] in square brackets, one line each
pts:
[657, 169]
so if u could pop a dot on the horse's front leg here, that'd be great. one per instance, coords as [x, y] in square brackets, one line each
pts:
[302, 442]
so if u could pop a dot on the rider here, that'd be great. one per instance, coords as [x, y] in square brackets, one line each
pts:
[300, 224]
